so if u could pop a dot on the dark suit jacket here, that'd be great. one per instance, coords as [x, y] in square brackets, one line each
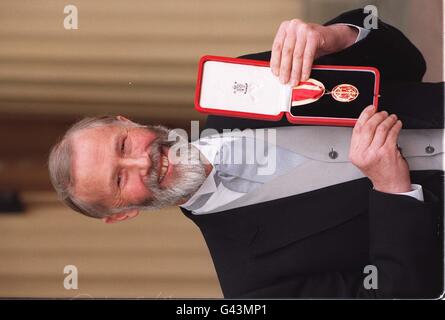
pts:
[316, 244]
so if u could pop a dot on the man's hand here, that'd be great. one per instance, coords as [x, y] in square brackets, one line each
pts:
[297, 44]
[374, 151]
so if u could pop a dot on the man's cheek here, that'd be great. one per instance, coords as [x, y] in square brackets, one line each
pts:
[138, 192]
[143, 139]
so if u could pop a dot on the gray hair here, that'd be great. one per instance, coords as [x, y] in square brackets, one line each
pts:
[59, 166]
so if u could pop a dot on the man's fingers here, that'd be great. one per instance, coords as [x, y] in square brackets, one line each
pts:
[364, 116]
[308, 58]
[376, 119]
[382, 131]
[287, 57]
[277, 47]
[393, 134]
[368, 129]
[297, 61]
[367, 113]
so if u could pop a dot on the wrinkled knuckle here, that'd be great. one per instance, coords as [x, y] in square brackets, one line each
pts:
[312, 32]
[377, 119]
[383, 115]
[321, 40]
[291, 26]
[284, 24]
[303, 28]
[382, 128]
[366, 129]
[310, 27]
[288, 50]
[298, 56]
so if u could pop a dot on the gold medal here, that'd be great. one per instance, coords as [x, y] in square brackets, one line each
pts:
[344, 92]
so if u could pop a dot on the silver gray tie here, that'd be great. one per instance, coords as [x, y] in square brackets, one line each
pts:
[246, 176]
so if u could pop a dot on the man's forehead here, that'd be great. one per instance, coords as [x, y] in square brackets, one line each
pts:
[92, 161]
[95, 132]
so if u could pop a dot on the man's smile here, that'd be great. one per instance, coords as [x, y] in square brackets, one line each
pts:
[164, 165]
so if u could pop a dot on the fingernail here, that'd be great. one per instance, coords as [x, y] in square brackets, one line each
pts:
[305, 76]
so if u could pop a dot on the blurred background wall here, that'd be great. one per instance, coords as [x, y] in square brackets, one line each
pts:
[137, 58]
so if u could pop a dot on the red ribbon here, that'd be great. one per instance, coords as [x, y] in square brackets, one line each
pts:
[309, 91]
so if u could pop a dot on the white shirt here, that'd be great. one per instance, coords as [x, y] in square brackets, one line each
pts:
[362, 33]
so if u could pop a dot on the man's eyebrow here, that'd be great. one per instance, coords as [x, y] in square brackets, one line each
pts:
[116, 151]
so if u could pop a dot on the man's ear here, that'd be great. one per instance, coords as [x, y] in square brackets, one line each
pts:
[129, 214]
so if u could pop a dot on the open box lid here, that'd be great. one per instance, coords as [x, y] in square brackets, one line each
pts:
[247, 88]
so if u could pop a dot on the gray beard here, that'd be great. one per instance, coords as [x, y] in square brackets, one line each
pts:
[189, 174]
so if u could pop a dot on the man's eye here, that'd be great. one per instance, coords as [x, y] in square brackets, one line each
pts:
[123, 146]
[119, 180]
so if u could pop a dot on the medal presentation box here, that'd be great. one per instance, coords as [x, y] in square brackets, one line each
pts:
[334, 95]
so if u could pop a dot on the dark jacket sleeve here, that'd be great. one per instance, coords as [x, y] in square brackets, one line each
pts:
[405, 244]
[385, 48]
[405, 248]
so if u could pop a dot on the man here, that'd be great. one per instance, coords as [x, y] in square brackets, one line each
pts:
[311, 229]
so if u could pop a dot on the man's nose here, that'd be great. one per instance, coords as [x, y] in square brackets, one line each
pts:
[141, 163]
